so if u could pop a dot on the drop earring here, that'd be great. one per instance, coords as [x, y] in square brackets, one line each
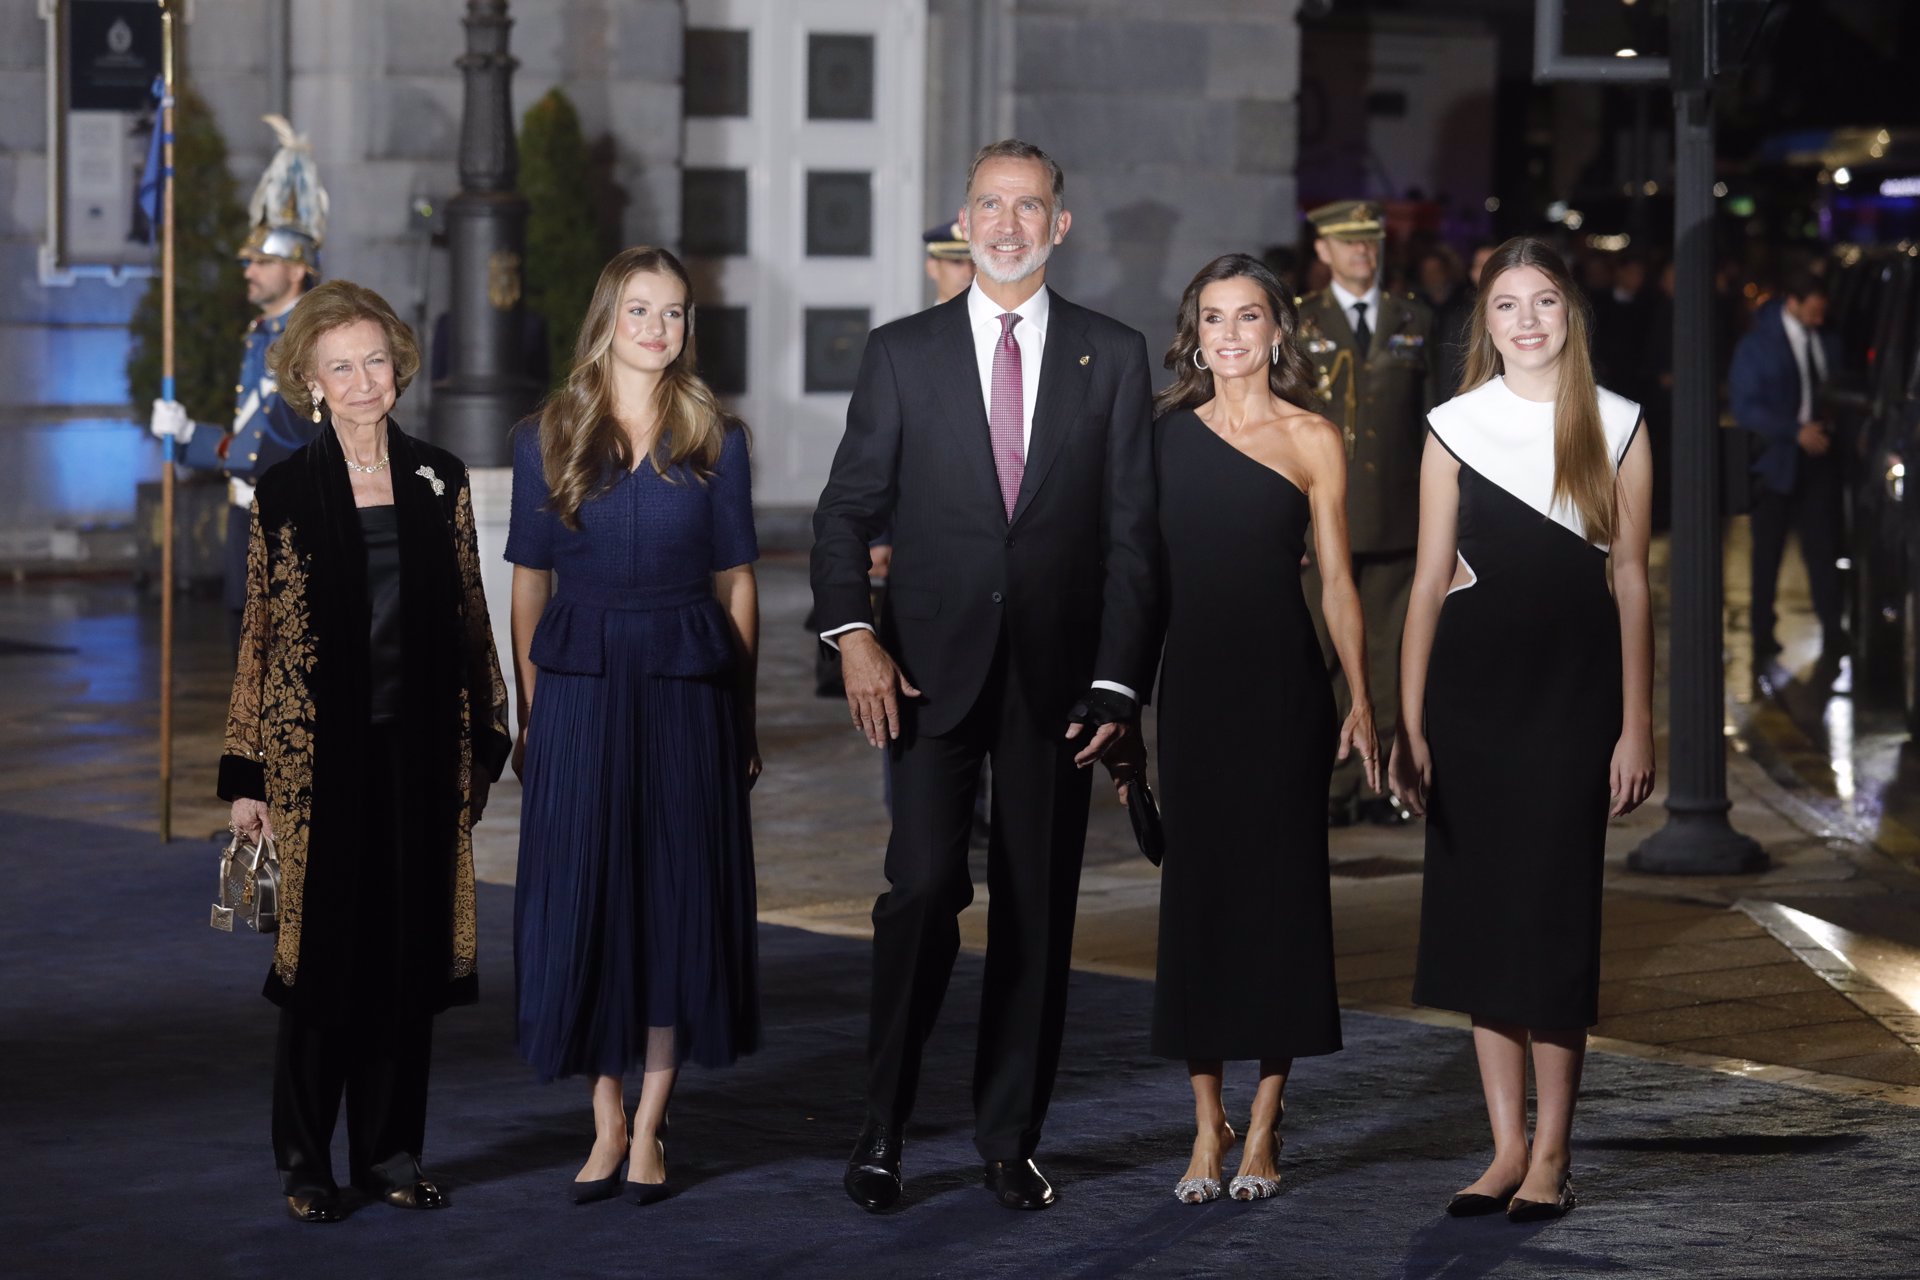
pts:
[317, 402]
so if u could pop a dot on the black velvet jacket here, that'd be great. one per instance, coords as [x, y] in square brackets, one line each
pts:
[298, 727]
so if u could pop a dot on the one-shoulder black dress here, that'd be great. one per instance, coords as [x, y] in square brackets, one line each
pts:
[1246, 741]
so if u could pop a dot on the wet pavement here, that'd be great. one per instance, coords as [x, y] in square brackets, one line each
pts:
[1808, 973]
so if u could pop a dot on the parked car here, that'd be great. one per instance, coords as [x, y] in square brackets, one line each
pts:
[1874, 401]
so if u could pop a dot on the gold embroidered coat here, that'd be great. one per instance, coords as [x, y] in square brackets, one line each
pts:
[299, 732]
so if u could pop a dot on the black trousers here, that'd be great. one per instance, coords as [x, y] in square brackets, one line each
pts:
[381, 1069]
[1813, 511]
[1039, 828]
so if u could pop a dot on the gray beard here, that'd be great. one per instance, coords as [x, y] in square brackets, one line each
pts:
[1036, 258]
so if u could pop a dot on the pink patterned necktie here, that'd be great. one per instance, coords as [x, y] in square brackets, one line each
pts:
[1003, 416]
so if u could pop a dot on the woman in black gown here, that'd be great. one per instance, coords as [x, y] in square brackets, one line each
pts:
[1526, 703]
[1247, 730]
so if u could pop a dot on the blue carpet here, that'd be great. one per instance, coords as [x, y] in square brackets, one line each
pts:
[134, 1056]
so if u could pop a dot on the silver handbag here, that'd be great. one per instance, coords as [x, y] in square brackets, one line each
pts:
[249, 886]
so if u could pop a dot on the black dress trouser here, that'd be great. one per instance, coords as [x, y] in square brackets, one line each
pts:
[376, 1056]
[1813, 511]
[1038, 833]
[381, 1070]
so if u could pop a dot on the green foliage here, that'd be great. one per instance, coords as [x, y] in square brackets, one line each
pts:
[210, 295]
[565, 248]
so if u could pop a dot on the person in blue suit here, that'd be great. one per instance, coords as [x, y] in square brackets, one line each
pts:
[282, 257]
[1778, 369]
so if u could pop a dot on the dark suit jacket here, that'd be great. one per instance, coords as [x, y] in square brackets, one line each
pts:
[1070, 579]
[1764, 385]
[1399, 380]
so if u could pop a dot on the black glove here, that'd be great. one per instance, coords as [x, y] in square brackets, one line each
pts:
[1102, 706]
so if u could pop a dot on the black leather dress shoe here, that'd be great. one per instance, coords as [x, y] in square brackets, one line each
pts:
[1018, 1184]
[315, 1206]
[410, 1193]
[873, 1170]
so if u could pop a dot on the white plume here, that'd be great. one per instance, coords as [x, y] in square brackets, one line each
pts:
[289, 193]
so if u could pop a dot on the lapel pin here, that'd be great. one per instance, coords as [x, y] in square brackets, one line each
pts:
[1086, 360]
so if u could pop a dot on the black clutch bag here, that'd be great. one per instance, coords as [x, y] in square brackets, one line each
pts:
[1145, 815]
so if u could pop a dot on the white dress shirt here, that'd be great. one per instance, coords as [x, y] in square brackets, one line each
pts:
[1800, 341]
[1347, 300]
[983, 317]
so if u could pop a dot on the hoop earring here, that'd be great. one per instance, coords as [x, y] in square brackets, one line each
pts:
[1196, 361]
[1274, 359]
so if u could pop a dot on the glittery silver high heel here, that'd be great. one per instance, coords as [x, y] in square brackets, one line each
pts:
[1251, 1186]
[1203, 1190]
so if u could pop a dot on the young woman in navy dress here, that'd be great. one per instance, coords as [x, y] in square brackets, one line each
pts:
[635, 624]
[1526, 703]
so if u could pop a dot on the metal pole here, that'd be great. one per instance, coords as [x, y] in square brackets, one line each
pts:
[1697, 839]
[166, 393]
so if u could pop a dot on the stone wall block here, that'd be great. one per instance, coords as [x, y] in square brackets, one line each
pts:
[23, 111]
[1266, 136]
[1119, 58]
[647, 39]
[1253, 60]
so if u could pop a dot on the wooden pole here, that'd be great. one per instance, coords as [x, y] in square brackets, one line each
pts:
[166, 393]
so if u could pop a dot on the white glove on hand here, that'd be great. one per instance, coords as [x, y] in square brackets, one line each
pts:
[170, 419]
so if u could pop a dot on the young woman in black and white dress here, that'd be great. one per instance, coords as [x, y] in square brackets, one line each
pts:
[1526, 703]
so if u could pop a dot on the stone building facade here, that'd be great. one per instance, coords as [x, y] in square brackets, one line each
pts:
[1176, 125]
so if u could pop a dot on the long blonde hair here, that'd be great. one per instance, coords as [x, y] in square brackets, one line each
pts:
[1582, 473]
[581, 441]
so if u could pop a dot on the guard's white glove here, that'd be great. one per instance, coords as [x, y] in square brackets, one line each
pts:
[170, 419]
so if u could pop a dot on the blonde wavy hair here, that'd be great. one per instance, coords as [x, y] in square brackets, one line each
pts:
[1583, 474]
[320, 311]
[580, 440]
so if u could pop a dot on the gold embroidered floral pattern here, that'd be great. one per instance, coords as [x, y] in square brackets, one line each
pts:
[273, 717]
[484, 674]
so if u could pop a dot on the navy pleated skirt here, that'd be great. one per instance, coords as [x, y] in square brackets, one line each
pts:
[634, 906]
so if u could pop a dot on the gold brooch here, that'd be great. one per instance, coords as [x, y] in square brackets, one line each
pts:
[1086, 360]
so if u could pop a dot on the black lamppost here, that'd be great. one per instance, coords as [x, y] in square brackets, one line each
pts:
[487, 389]
[1698, 839]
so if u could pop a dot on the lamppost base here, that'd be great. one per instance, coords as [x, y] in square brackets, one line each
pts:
[1698, 844]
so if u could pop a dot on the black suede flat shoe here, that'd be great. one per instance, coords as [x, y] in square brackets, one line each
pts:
[1471, 1204]
[1519, 1210]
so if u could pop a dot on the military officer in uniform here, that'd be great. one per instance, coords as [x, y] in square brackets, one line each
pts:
[949, 261]
[1377, 355]
[282, 261]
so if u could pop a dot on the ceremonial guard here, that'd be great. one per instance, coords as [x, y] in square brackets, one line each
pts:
[282, 261]
[1377, 357]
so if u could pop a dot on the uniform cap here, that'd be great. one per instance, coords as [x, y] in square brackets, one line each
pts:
[1349, 220]
[948, 243]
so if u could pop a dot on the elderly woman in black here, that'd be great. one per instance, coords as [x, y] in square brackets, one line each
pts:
[368, 718]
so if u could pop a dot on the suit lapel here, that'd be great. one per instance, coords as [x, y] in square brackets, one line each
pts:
[956, 369]
[1063, 385]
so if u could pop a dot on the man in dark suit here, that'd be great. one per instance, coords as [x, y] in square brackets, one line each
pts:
[1377, 354]
[1778, 368]
[1006, 434]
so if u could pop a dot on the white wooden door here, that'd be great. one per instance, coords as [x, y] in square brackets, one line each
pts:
[823, 149]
